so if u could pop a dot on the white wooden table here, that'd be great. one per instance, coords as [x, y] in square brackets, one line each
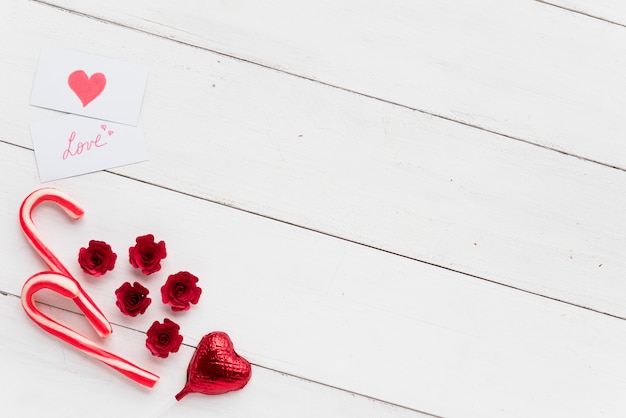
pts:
[397, 208]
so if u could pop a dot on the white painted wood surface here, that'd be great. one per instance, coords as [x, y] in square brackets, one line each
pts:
[370, 260]
[517, 67]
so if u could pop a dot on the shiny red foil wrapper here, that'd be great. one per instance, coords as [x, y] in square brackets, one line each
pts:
[215, 367]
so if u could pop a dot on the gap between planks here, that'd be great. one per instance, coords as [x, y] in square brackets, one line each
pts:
[372, 97]
[580, 12]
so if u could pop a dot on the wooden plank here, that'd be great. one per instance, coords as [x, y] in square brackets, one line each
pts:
[350, 166]
[512, 67]
[44, 376]
[332, 311]
[612, 11]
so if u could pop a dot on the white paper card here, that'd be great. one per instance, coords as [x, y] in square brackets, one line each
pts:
[70, 145]
[89, 85]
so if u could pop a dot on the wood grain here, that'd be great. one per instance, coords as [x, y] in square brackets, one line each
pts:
[536, 73]
[334, 312]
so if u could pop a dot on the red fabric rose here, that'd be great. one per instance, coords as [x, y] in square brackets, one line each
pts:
[97, 258]
[147, 254]
[180, 290]
[132, 300]
[164, 338]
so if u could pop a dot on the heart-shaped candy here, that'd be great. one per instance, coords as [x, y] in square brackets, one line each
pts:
[215, 367]
[86, 88]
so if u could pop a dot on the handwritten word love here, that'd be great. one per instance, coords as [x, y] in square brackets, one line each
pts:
[79, 147]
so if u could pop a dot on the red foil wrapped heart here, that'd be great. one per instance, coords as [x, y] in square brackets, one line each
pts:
[215, 367]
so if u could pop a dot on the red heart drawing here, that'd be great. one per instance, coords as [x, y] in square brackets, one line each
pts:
[215, 367]
[86, 88]
[104, 127]
[110, 133]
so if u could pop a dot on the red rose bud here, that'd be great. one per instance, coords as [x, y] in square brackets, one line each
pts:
[180, 290]
[164, 338]
[147, 254]
[97, 259]
[132, 300]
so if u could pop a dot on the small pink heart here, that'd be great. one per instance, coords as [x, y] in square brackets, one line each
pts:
[104, 127]
[215, 367]
[111, 133]
[86, 88]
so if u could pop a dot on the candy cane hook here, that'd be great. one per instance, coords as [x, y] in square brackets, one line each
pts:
[32, 233]
[68, 287]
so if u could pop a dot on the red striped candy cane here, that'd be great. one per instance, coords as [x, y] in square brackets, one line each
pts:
[61, 281]
[68, 287]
